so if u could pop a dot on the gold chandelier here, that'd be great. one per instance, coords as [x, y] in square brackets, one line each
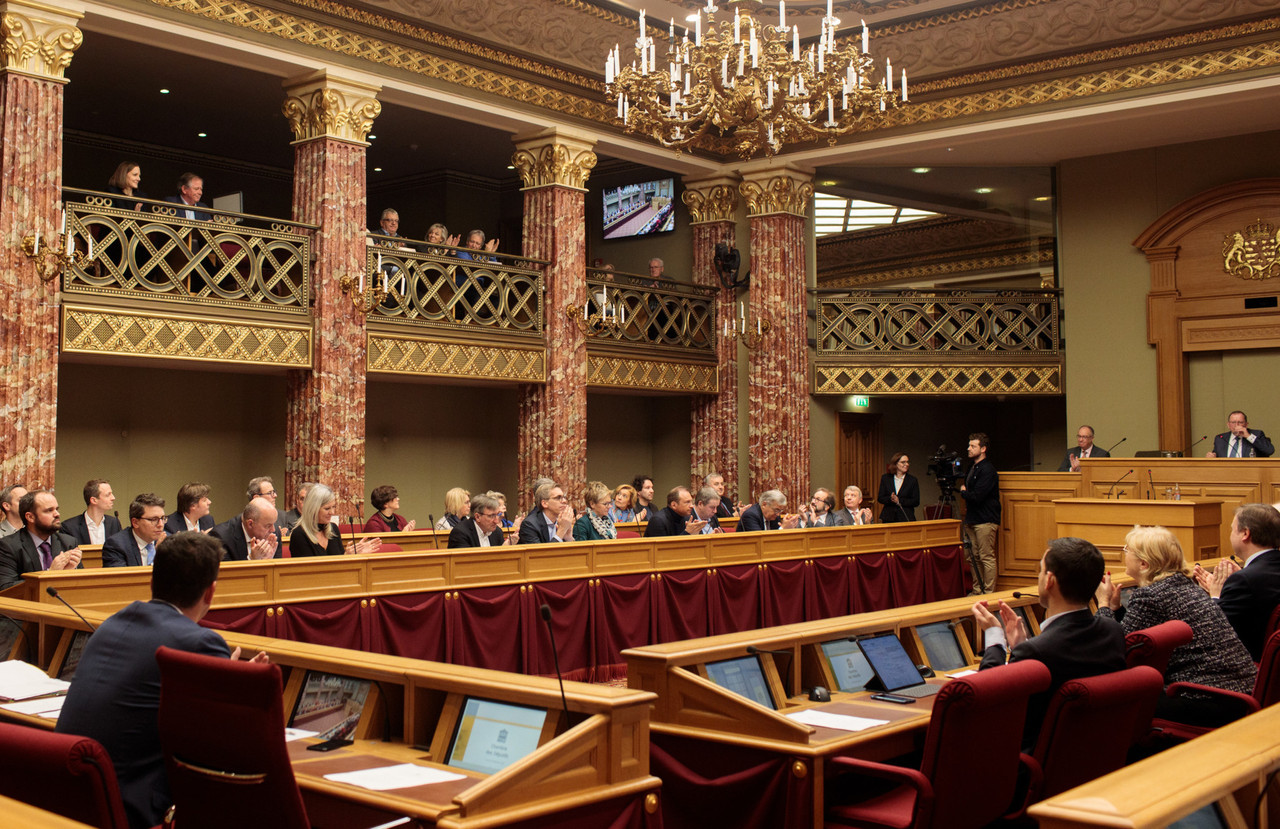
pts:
[748, 85]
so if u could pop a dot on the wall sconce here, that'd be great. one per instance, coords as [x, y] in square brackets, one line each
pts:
[53, 260]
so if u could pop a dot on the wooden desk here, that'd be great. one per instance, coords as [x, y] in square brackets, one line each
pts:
[1196, 523]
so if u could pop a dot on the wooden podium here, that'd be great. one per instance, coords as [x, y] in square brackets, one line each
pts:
[1196, 523]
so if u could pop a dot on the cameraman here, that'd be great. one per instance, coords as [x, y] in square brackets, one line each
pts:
[981, 493]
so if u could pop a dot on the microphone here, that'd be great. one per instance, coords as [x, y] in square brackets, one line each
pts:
[1117, 443]
[432, 519]
[1197, 443]
[1149, 484]
[753, 650]
[545, 610]
[53, 592]
[1118, 480]
[1020, 595]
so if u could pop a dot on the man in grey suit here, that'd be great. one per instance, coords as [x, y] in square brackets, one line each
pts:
[39, 545]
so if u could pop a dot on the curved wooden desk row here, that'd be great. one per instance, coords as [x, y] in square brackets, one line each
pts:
[711, 584]
[596, 758]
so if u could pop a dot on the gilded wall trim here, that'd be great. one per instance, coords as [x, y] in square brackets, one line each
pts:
[105, 331]
[980, 264]
[319, 105]
[389, 354]
[38, 40]
[553, 158]
[711, 200]
[781, 191]
[618, 372]
[1038, 378]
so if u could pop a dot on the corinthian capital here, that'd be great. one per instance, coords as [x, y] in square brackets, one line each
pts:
[777, 191]
[320, 105]
[39, 40]
[554, 157]
[711, 199]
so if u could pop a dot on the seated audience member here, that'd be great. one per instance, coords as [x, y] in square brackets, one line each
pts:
[124, 182]
[504, 522]
[767, 514]
[193, 510]
[438, 234]
[290, 519]
[1215, 656]
[9, 498]
[265, 487]
[386, 500]
[716, 481]
[251, 535]
[819, 513]
[476, 242]
[190, 189]
[551, 521]
[1084, 448]
[388, 225]
[1239, 441]
[644, 506]
[457, 502]
[595, 523]
[38, 545]
[316, 535]
[899, 491]
[706, 504]
[94, 525]
[623, 507]
[679, 518]
[136, 546]
[115, 696]
[1073, 643]
[1248, 595]
[484, 526]
[853, 513]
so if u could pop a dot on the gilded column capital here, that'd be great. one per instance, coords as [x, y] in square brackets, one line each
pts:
[554, 157]
[786, 190]
[320, 105]
[711, 199]
[39, 40]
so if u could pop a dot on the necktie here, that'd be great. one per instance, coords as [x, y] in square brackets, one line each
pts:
[1235, 448]
[46, 556]
[151, 551]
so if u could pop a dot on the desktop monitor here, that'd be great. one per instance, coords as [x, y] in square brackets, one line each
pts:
[1206, 817]
[848, 665]
[330, 705]
[891, 662]
[1025, 615]
[1126, 593]
[489, 736]
[71, 661]
[941, 647]
[744, 676]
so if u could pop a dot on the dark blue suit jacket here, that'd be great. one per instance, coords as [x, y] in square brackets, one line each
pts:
[76, 527]
[115, 697]
[1248, 598]
[120, 550]
[177, 524]
[534, 529]
[752, 520]
[1260, 448]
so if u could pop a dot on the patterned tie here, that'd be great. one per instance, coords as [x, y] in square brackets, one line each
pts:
[151, 551]
[1235, 448]
[46, 555]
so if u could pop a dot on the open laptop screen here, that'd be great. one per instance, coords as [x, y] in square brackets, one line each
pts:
[890, 661]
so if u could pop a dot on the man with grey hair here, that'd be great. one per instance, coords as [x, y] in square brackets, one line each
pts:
[476, 242]
[251, 535]
[768, 514]
[12, 519]
[551, 521]
[291, 518]
[483, 528]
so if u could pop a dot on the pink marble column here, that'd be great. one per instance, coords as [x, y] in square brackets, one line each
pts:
[325, 424]
[552, 440]
[713, 434]
[778, 446]
[39, 44]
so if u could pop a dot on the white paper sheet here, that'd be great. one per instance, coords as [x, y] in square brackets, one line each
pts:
[386, 778]
[291, 734]
[47, 707]
[20, 680]
[841, 722]
[959, 674]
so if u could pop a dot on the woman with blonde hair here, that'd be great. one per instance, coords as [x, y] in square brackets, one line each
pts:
[595, 523]
[623, 508]
[315, 535]
[1215, 656]
[457, 506]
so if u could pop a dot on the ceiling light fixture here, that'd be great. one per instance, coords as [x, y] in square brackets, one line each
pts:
[920, 169]
[983, 190]
[164, 92]
[202, 134]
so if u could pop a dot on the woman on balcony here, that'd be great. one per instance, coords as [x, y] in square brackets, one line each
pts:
[386, 500]
[595, 524]
[899, 491]
[124, 182]
[623, 509]
[316, 535]
[438, 234]
[457, 506]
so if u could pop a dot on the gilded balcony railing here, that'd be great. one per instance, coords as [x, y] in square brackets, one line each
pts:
[219, 258]
[438, 286]
[628, 308]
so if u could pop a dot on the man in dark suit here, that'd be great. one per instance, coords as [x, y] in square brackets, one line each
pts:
[1248, 595]
[821, 510]
[981, 494]
[678, 517]
[11, 521]
[291, 517]
[251, 535]
[552, 520]
[115, 696]
[1084, 449]
[767, 514]
[94, 525]
[483, 528]
[726, 509]
[1073, 643]
[136, 546]
[192, 511]
[38, 545]
[190, 189]
[1241, 441]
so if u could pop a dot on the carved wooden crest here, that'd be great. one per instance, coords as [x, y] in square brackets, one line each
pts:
[1253, 253]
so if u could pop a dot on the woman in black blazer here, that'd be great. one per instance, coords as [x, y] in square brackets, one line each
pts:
[316, 536]
[899, 491]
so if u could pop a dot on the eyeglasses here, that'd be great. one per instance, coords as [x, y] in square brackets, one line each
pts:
[489, 515]
[268, 494]
[157, 520]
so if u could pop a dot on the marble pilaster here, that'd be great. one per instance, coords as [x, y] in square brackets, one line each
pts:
[325, 427]
[552, 440]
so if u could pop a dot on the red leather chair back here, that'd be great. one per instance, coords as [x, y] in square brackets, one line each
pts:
[1091, 724]
[219, 717]
[1152, 646]
[61, 773]
[1266, 688]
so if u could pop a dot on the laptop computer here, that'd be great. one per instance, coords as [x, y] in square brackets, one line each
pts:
[894, 668]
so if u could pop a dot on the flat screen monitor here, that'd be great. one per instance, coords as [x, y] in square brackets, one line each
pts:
[330, 705]
[489, 736]
[640, 209]
[848, 665]
[1025, 615]
[1206, 817]
[67, 670]
[744, 677]
[891, 662]
[1126, 593]
[941, 647]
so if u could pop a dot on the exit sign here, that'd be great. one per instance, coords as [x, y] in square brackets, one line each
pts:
[861, 401]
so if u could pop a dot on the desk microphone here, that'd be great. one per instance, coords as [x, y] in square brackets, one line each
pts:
[53, 592]
[753, 650]
[545, 610]
[1197, 443]
[432, 519]
[1019, 595]
[1117, 443]
[1118, 480]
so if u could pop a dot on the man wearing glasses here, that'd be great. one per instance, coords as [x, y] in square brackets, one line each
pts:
[552, 521]
[136, 546]
[483, 528]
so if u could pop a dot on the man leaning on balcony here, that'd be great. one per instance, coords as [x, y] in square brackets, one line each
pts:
[190, 189]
